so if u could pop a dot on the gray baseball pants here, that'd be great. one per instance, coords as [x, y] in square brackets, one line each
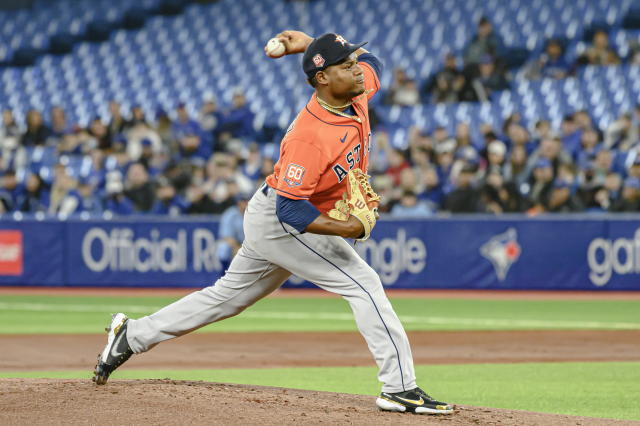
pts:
[271, 252]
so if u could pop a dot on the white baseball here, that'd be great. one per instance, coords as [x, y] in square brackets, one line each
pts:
[275, 48]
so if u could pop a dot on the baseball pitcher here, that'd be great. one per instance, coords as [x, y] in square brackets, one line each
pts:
[297, 222]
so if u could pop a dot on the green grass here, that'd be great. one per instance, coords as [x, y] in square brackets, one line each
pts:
[83, 314]
[586, 389]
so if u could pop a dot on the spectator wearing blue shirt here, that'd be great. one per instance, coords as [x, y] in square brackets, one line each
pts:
[551, 64]
[184, 125]
[231, 233]
[252, 166]
[117, 203]
[410, 206]
[59, 126]
[35, 197]
[589, 147]
[210, 119]
[12, 188]
[81, 200]
[432, 194]
[517, 135]
[238, 121]
[571, 135]
[167, 201]
[630, 198]
[192, 149]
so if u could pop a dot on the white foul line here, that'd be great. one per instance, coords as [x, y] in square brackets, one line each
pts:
[335, 316]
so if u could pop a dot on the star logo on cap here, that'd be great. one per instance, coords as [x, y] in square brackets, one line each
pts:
[340, 39]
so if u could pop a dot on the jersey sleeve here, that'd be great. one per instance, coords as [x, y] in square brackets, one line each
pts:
[372, 68]
[302, 164]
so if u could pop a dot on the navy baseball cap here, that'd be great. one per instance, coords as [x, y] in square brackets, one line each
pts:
[326, 50]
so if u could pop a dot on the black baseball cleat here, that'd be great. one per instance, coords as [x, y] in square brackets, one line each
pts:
[116, 352]
[414, 401]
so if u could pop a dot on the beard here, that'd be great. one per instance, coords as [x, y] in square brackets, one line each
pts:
[356, 92]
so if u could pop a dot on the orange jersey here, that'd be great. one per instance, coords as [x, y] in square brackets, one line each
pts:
[320, 148]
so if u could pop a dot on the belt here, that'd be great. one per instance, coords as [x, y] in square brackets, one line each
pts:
[265, 189]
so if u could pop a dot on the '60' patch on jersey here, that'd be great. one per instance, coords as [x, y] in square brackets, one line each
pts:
[294, 174]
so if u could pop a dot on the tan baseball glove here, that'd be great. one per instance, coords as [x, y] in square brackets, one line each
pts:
[359, 200]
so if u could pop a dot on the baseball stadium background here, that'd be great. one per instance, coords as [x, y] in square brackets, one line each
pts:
[506, 141]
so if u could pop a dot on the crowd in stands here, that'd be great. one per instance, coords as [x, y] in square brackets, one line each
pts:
[173, 163]
[577, 168]
[484, 68]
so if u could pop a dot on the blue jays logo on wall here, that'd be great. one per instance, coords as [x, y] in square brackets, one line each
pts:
[502, 251]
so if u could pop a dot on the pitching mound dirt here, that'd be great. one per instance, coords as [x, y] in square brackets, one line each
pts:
[153, 402]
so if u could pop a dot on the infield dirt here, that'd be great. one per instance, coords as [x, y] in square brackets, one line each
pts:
[154, 402]
[151, 402]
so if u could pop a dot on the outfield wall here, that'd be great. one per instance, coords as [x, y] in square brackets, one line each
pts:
[508, 252]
